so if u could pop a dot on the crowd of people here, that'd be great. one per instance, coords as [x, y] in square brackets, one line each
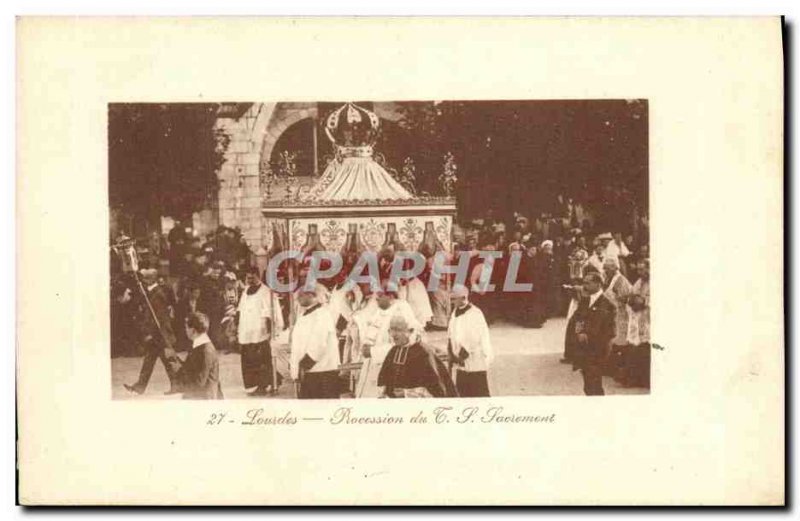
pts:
[343, 338]
[558, 250]
[192, 274]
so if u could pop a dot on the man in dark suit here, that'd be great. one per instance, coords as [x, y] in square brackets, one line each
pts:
[159, 338]
[212, 303]
[199, 374]
[189, 303]
[592, 328]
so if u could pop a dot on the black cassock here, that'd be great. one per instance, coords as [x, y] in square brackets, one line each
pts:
[411, 367]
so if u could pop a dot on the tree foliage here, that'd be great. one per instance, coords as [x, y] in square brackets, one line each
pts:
[163, 158]
[520, 155]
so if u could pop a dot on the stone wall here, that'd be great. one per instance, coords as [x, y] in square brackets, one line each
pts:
[239, 199]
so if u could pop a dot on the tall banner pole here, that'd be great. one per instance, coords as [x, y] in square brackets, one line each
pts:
[127, 250]
[273, 303]
[152, 312]
[448, 304]
[272, 336]
[292, 313]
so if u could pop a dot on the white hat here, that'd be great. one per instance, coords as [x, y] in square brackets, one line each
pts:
[149, 274]
[545, 243]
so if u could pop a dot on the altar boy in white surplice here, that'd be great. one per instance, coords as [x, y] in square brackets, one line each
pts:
[469, 345]
[314, 349]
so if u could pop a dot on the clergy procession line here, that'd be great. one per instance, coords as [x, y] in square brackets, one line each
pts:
[379, 353]
[359, 339]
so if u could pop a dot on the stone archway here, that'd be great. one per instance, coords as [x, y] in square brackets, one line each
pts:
[297, 139]
[284, 116]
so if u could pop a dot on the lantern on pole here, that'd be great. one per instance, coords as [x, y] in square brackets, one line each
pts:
[125, 248]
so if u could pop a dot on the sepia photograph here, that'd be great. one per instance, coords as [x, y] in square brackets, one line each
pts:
[241, 239]
[379, 249]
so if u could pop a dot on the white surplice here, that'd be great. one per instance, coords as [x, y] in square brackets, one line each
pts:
[253, 310]
[471, 332]
[314, 334]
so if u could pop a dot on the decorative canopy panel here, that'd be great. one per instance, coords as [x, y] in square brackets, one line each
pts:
[371, 230]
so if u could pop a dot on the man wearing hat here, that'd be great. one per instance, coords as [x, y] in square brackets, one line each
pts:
[159, 338]
[469, 346]
[604, 239]
[314, 348]
[596, 259]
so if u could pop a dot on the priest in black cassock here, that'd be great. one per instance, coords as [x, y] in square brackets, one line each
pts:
[411, 370]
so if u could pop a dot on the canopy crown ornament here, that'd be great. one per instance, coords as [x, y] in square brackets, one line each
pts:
[353, 130]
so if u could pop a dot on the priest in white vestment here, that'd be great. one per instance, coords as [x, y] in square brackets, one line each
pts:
[416, 294]
[362, 304]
